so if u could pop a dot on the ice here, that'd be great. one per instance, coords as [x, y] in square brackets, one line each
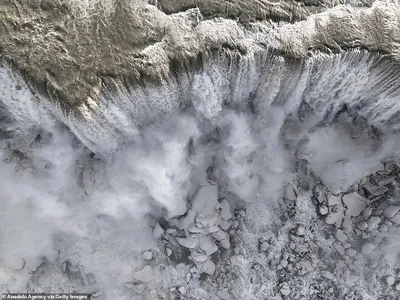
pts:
[144, 275]
[225, 210]
[207, 245]
[187, 242]
[208, 267]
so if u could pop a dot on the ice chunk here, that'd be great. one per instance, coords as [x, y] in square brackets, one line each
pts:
[390, 211]
[224, 225]
[355, 203]
[207, 220]
[198, 257]
[225, 244]
[205, 199]
[158, 231]
[144, 275]
[340, 236]
[137, 287]
[285, 290]
[367, 248]
[207, 245]
[226, 213]
[290, 194]
[373, 223]
[147, 255]
[187, 242]
[208, 267]
[220, 235]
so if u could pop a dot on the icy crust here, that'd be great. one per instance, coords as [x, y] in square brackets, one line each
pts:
[132, 43]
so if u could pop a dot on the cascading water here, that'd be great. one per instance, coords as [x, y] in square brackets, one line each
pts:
[86, 192]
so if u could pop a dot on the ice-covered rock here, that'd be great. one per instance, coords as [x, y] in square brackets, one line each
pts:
[144, 275]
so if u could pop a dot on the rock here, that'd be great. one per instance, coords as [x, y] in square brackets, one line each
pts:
[224, 225]
[323, 210]
[226, 213]
[182, 290]
[144, 275]
[355, 203]
[285, 289]
[147, 255]
[351, 252]
[289, 193]
[225, 244]
[390, 211]
[137, 287]
[207, 245]
[208, 267]
[340, 236]
[362, 225]
[187, 242]
[367, 248]
[157, 231]
[389, 280]
[168, 251]
[373, 223]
